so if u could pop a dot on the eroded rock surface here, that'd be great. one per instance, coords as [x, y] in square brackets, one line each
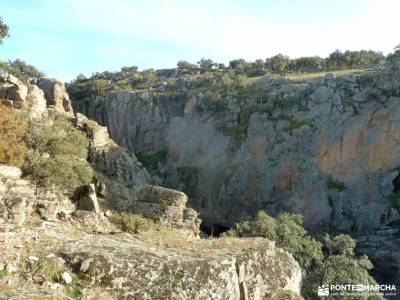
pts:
[326, 148]
[45, 241]
[169, 208]
[120, 266]
[56, 95]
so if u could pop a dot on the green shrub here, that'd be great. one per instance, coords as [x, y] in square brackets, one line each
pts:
[132, 223]
[151, 161]
[65, 171]
[335, 185]
[58, 153]
[330, 262]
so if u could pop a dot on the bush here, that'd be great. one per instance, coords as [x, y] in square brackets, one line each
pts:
[58, 153]
[21, 70]
[61, 170]
[330, 262]
[12, 134]
[132, 223]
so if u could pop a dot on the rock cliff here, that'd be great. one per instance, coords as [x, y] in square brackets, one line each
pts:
[64, 246]
[327, 148]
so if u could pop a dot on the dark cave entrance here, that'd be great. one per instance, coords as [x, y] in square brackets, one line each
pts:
[214, 230]
[396, 185]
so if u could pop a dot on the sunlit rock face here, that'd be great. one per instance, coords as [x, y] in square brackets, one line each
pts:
[327, 148]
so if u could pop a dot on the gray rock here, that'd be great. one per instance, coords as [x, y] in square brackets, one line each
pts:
[56, 95]
[36, 102]
[10, 172]
[87, 199]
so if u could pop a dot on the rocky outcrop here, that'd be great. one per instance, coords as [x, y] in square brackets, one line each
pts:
[129, 183]
[169, 208]
[13, 90]
[87, 199]
[301, 147]
[56, 95]
[50, 245]
[19, 198]
[120, 266]
[110, 159]
[48, 93]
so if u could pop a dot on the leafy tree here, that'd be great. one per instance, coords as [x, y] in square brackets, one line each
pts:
[130, 70]
[206, 65]
[278, 63]
[330, 262]
[185, 65]
[21, 70]
[240, 66]
[58, 153]
[87, 88]
[81, 77]
[3, 30]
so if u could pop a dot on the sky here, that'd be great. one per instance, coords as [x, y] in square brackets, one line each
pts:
[64, 38]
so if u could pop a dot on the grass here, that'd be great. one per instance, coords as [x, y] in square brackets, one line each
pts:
[133, 223]
[302, 77]
[2, 274]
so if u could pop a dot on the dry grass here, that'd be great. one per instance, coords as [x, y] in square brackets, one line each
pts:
[304, 77]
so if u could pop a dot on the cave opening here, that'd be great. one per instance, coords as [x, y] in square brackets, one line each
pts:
[396, 185]
[213, 230]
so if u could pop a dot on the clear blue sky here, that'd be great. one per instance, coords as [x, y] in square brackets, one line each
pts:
[66, 37]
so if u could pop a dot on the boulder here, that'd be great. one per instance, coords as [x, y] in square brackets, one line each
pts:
[56, 95]
[36, 102]
[92, 221]
[10, 172]
[14, 210]
[87, 199]
[168, 207]
[11, 88]
[163, 196]
[17, 92]
[98, 134]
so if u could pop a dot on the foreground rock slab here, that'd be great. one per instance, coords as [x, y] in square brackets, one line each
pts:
[120, 266]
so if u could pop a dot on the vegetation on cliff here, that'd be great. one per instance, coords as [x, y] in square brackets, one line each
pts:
[57, 153]
[50, 151]
[331, 261]
[13, 127]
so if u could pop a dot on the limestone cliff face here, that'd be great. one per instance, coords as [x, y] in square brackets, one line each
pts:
[327, 148]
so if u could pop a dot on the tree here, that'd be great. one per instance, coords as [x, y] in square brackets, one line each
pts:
[240, 66]
[22, 70]
[3, 30]
[206, 64]
[185, 65]
[278, 63]
[331, 262]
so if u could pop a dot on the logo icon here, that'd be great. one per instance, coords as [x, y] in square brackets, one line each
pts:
[323, 290]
